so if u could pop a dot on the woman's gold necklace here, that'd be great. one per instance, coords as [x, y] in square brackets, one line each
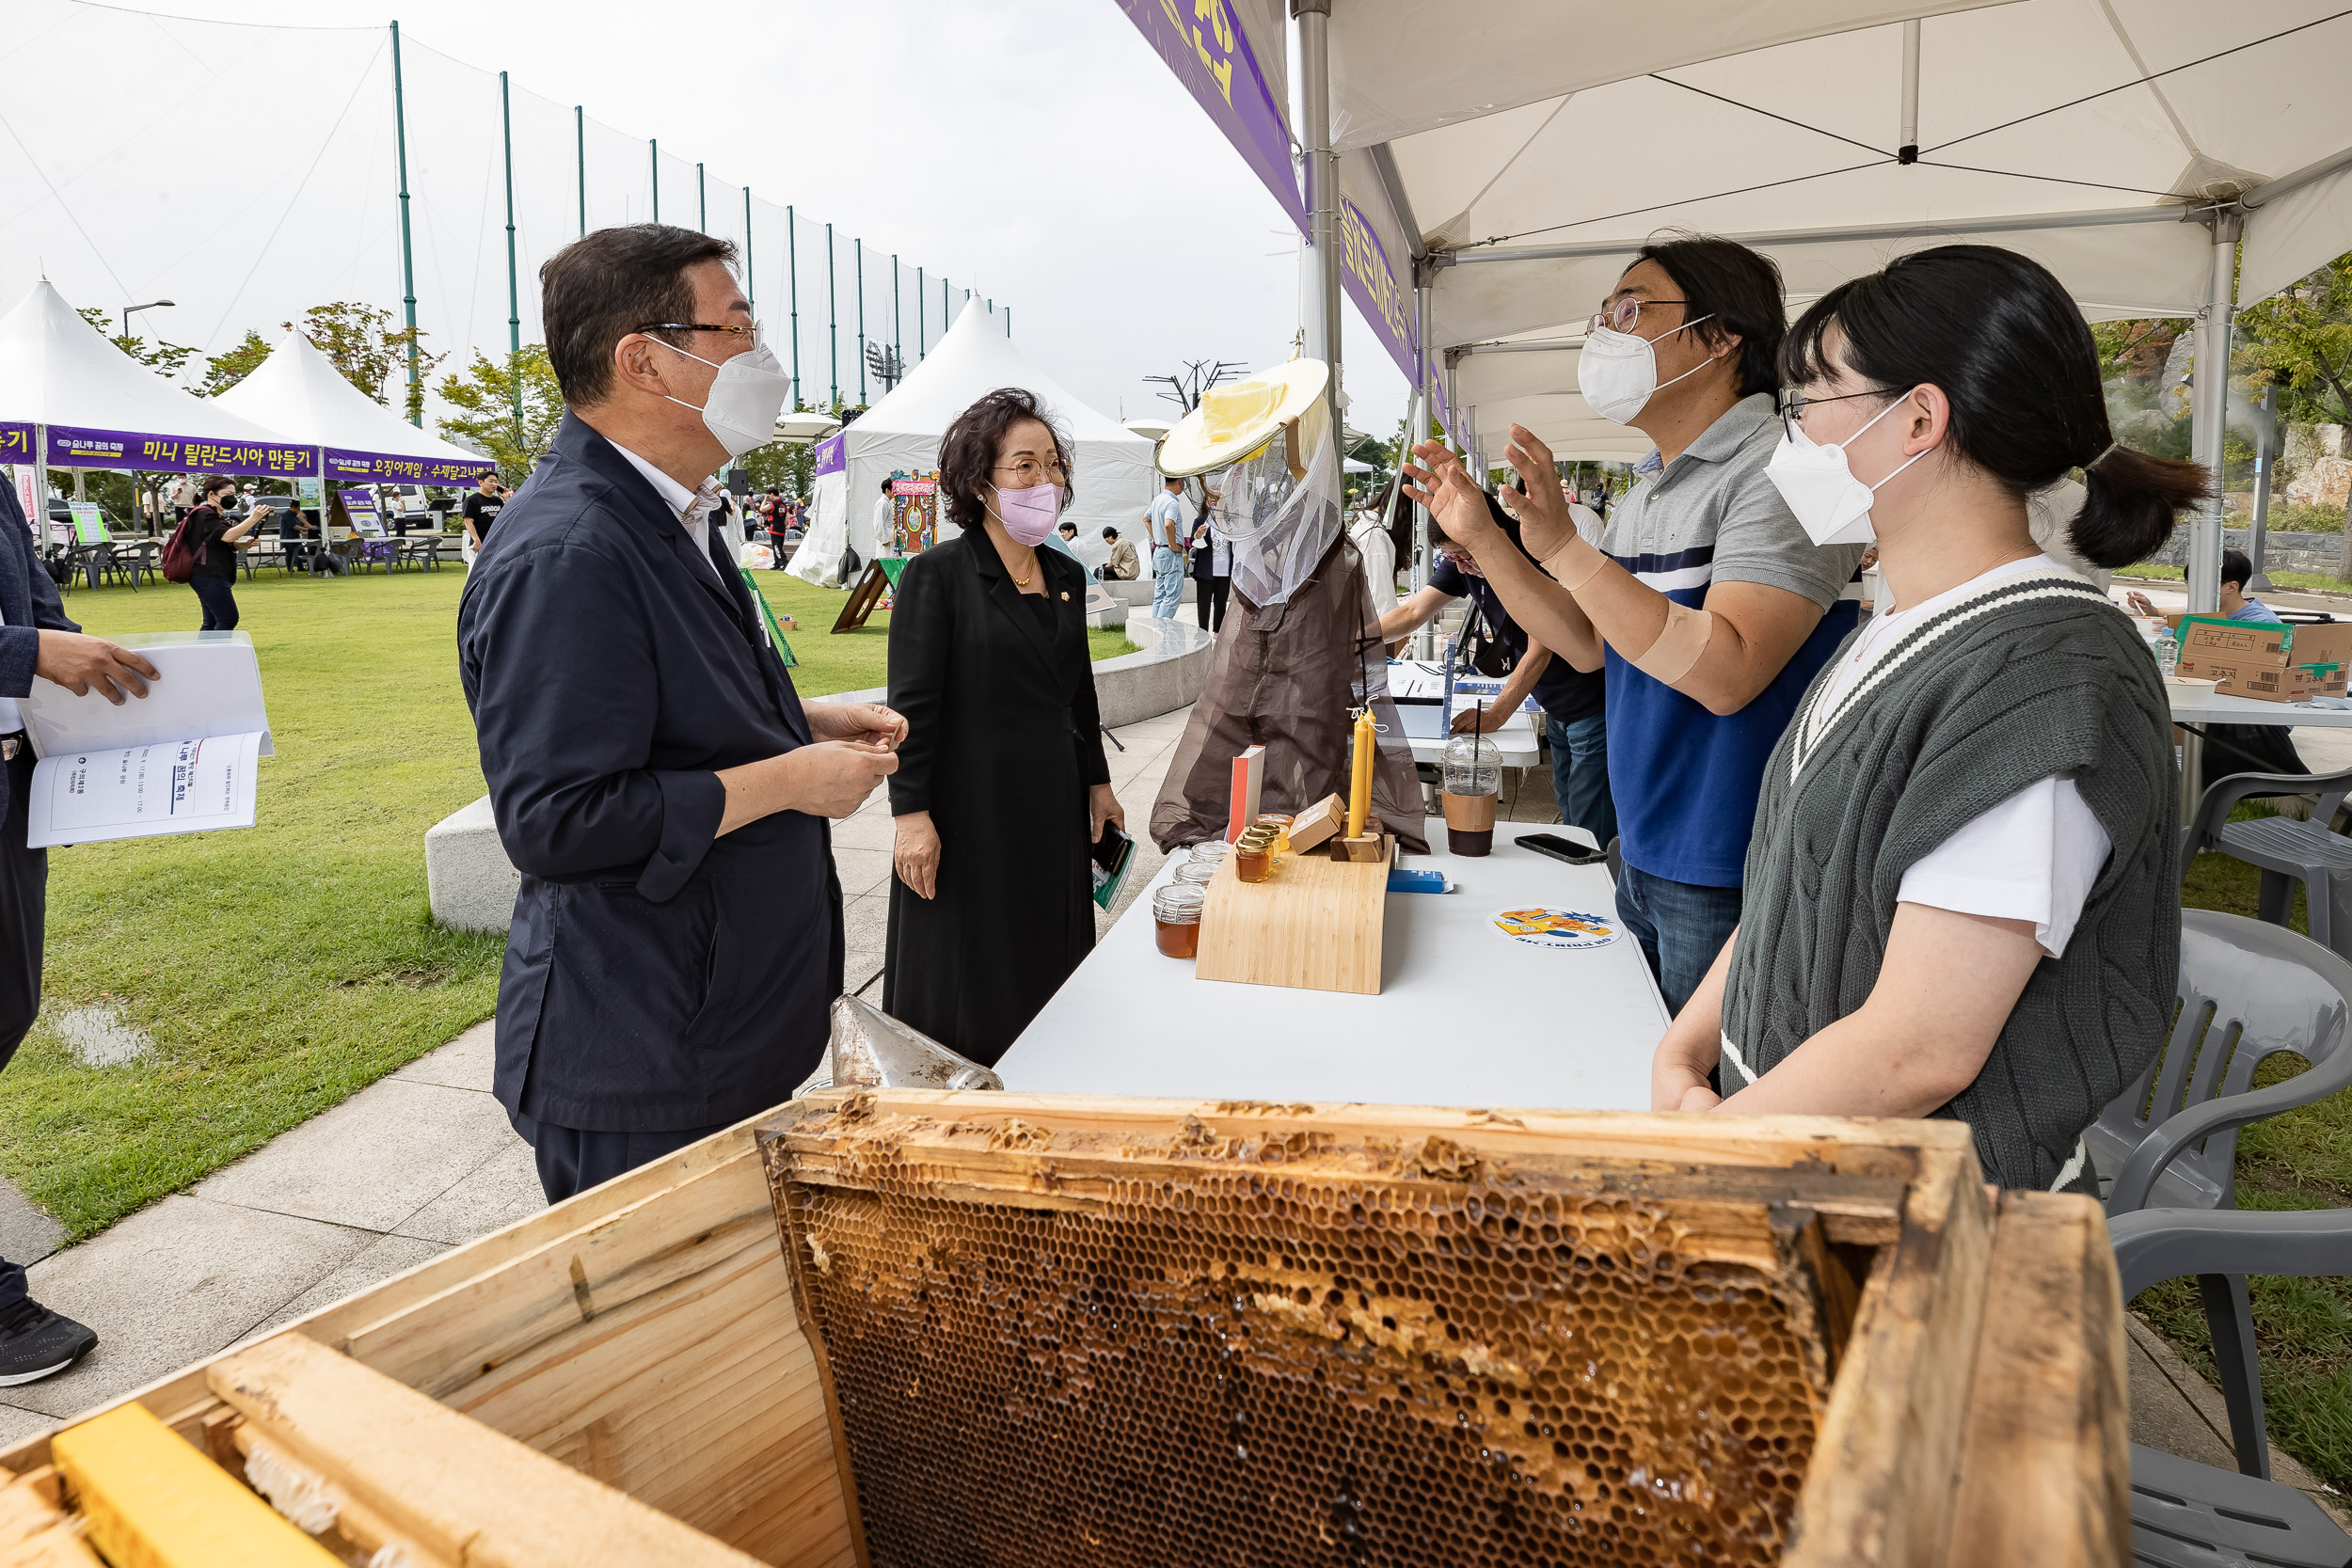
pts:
[1021, 582]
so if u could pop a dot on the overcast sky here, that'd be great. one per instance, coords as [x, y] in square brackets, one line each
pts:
[1037, 149]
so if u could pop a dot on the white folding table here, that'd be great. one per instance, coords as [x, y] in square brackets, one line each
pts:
[1466, 1016]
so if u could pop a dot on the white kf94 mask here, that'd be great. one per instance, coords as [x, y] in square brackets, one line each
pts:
[745, 397]
[1833, 506]
[1617, 372]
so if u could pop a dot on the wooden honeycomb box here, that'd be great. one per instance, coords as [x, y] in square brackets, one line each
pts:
[1088, 1332]
[1120, 1331]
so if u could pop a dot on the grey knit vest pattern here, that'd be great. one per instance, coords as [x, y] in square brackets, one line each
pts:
[2034, 676]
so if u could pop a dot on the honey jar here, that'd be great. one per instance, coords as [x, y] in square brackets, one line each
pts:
[1253, 855]
[1176, 919]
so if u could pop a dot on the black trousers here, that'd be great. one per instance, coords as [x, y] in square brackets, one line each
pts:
[572, 1159]
[1205, 589]
[23, 910]
[219, 601]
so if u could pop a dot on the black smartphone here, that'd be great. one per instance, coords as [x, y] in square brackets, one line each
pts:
[1112, 847]
[1562, 848]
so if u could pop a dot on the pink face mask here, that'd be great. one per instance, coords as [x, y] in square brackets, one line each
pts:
[1029, 514]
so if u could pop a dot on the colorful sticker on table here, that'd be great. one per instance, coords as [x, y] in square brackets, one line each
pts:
[1565, 929]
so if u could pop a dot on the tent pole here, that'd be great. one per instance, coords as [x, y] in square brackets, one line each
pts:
[922, 316]
[702, 202]
[2208, 412]
[1314, 132]
[513, 297]
[580, 151]
[2266, 440]
[38, 518]
[793, 283]
[1907, 141]
[858, 255]
[1418, 431]
[832, 318]
[407, 256]
[653, 149]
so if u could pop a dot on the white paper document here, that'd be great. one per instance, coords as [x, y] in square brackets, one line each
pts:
[166, 787]
[180, 760]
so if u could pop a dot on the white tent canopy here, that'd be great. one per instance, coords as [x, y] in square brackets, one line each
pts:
[298, 389]
[2097, 136]
[101, 409]
[1114, 480]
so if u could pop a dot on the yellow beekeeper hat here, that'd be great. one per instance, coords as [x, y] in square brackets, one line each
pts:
[1235, 420]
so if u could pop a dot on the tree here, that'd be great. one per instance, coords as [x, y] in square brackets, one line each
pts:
[483, 397]
[165, 357]
[364, 346]
[790, 469]
[224, 370]
[2300, 339]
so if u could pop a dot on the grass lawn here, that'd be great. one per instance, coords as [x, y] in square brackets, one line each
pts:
[2306, 583]
[281, 969]
[856, 660]
[2302, 1160]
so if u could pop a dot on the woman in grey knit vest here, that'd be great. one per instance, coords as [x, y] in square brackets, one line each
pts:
[1962, 891]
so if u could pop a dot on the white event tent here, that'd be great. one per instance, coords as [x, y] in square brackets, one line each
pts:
[298, 389]
[70, 399]
[1113, 482]
[1493, 164]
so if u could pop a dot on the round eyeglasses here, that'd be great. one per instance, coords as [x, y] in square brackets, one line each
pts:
[1619, 315]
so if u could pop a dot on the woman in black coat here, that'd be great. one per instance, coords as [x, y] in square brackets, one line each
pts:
[1002, 787]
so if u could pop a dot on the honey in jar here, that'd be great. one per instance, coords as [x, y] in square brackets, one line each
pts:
[1253, 855]
[1176, 919]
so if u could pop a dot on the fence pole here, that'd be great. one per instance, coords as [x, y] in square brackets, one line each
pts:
[653, 148]
[579, 138]
[514, 295]
[407, 256]
[897, 334]
[858, 255]
[751, 287]
[793, 283]
[702, 202]
[833, 319]
[922, 312]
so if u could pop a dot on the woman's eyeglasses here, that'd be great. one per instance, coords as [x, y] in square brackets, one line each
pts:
[1028, 470]
[1794, 403]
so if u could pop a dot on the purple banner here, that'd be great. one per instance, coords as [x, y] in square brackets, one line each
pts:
[347, 465]
[1210, 53]
[833, 455]
[74, 448]
[16, 443]
[1386, 300]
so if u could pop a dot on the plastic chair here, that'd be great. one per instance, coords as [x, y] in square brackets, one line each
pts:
[2248, 991]
[2287, 851]
[2190, 1516]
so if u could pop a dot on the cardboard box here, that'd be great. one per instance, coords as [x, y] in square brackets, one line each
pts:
[2265, 661]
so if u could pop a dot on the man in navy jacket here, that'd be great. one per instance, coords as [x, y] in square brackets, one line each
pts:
[677, 941]
[36, 639]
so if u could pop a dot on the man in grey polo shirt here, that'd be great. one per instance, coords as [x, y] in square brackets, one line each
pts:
[1705, 601]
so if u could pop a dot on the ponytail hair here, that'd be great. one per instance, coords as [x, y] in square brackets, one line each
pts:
[2016, 361]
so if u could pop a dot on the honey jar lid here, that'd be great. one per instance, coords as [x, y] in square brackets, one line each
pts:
[1179, 903]
[1196, 873]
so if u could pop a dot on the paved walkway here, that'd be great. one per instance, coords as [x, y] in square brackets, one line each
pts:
[423, 1160]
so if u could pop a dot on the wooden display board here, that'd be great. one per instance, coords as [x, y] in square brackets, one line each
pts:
[880, 577]
[1315, 926]
[640, 1352]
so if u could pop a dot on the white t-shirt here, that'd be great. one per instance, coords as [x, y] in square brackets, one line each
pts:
[1166, 526]
[1379, 552]
[2034, 856]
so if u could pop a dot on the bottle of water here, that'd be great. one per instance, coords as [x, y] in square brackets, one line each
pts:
[2168, 651]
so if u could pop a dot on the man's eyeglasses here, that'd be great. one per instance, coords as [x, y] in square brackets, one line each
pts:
[1028, 470]
[747, 336]
[1619, 315]
[1794, 403]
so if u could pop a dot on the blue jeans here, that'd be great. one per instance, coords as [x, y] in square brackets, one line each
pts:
[1680, 926]
[1167, 582]
[1579, 775]
[219, 601]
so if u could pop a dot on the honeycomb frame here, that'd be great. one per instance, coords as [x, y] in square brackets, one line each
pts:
[1058, 1330]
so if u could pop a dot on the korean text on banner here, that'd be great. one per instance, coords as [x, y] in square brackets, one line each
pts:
[74, 448]
[346, 465]
[832, 455]
[1204, 44]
